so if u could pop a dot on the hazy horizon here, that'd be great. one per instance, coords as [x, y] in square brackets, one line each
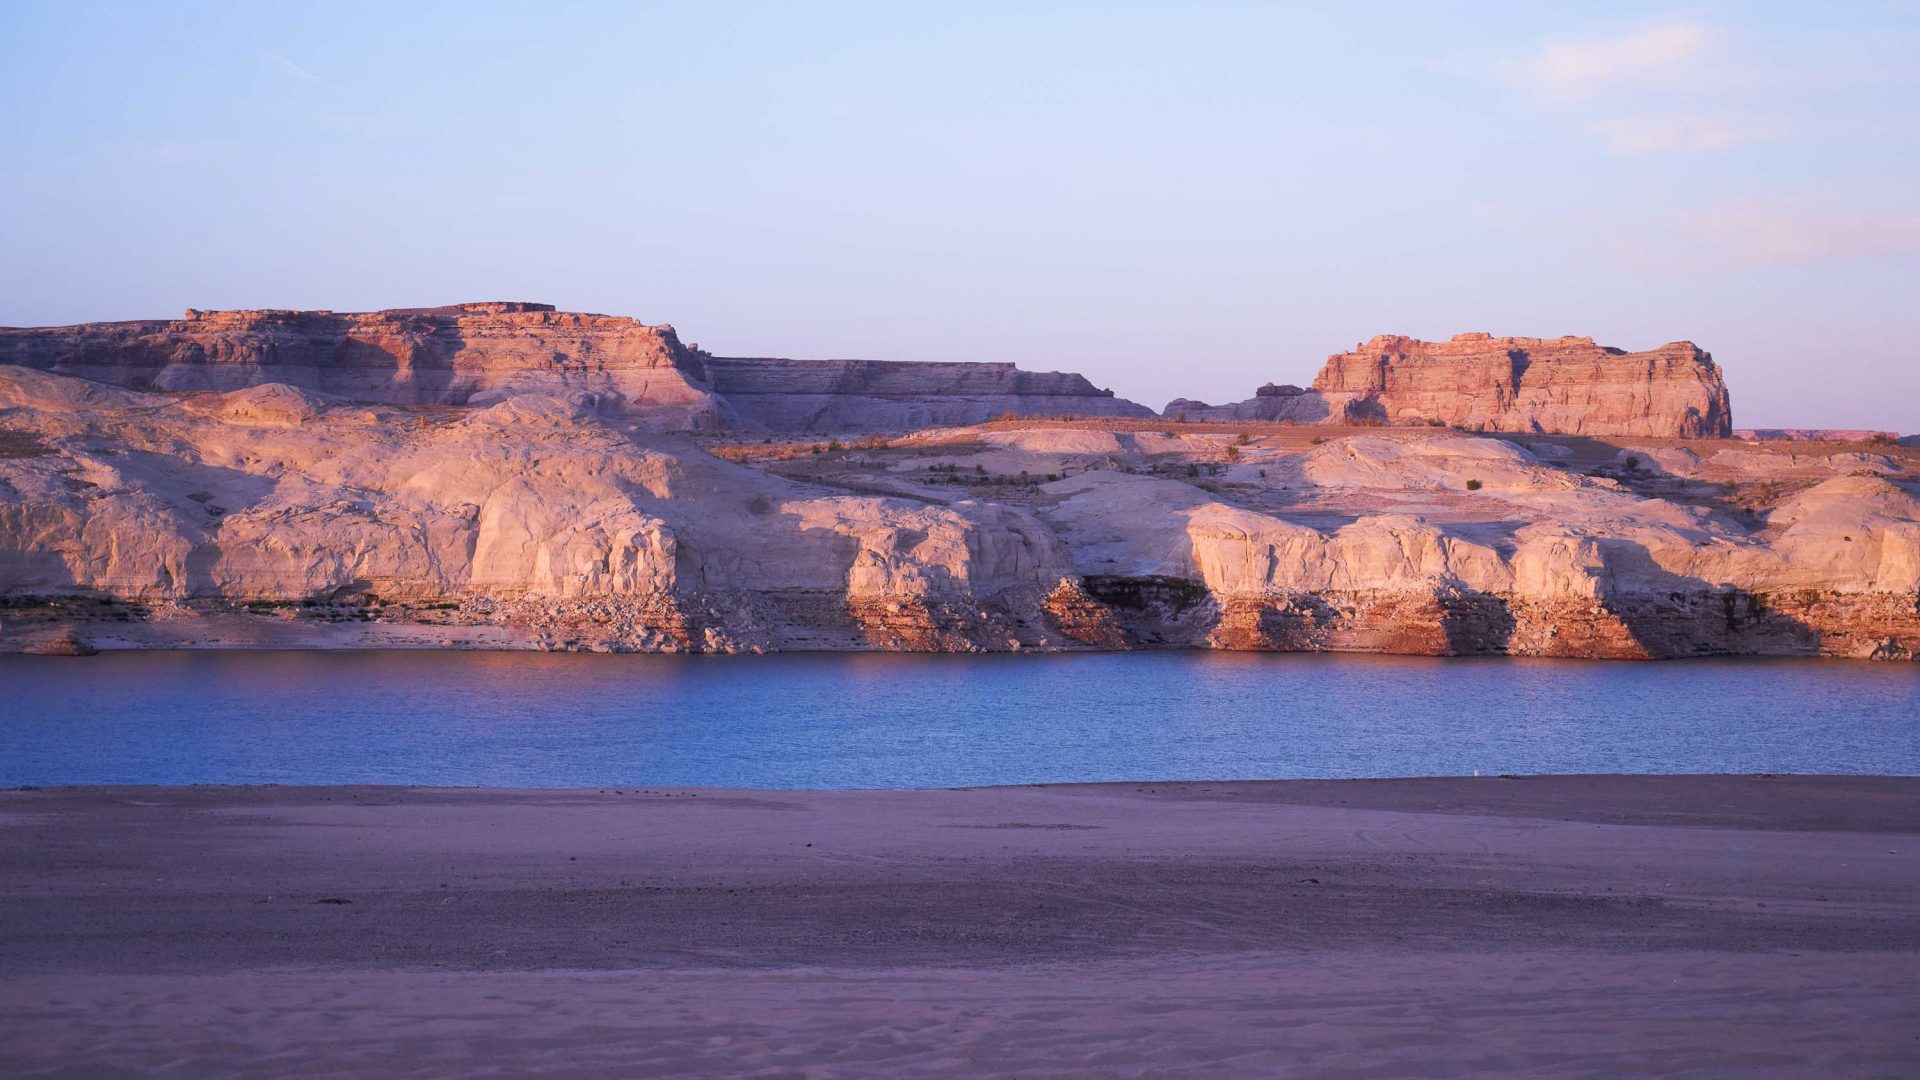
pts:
[1176, 201]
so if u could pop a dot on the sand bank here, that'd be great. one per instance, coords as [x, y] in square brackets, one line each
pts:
[1547, 927]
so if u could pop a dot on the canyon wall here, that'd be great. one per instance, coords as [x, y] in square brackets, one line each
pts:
[462, 354]
[478, 354]
[510, 476]
[853, 395]
[1566, 385]
[272, 516]
[1859, 435]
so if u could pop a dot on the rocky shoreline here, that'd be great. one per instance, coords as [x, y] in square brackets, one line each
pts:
[509, 477]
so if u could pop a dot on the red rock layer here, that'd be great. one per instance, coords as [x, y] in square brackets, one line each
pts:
[1566, 385]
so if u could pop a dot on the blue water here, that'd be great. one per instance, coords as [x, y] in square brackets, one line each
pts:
[547, 720]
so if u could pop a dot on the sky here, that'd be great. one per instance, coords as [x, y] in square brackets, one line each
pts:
[1176, 199]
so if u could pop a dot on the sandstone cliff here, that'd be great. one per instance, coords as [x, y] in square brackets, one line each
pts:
[274, 515]
[1859, 435]
[1479, 382]
[866, 395]
[536, 522]
[457, 355]
[477, 354]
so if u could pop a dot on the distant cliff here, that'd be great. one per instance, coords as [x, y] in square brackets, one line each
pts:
[483, 353]
[841, 395]
[1566, 385]
[462, 354]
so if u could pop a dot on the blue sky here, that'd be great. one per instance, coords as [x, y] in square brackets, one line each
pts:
[1178, 199]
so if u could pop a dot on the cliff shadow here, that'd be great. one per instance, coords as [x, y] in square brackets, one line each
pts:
[1475, 623]
[1157, 609]
[416, 368]
[1672, 615]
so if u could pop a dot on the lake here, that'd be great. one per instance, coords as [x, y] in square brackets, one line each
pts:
[888, 720]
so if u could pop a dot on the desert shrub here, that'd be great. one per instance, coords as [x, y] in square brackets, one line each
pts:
[1473, 485]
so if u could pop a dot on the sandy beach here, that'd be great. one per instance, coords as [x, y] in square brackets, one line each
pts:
[1571, 926]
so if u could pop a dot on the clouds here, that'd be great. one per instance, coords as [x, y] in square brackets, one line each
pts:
[1784, 169]
[291, 68]
[1574, 69]
[1663, 88]
[1775, 231]
[1638, 134]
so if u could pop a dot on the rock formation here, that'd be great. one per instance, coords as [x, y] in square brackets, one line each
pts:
[463, 354]
[863, 395]
[531, 523]
[1863, 435]
[479, 354]
[277, 515]
[1479, 382]
[510, 476]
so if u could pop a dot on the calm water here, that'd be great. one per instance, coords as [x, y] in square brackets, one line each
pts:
[543, 720]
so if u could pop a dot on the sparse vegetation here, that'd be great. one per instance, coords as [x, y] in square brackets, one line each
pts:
[1473, 485]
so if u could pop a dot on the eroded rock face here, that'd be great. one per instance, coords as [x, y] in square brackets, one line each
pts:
[879, 395]
[533, 523]
[272, 515]
[1565, 385]
[1864, 435]
[476, 354]
[457, 355]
